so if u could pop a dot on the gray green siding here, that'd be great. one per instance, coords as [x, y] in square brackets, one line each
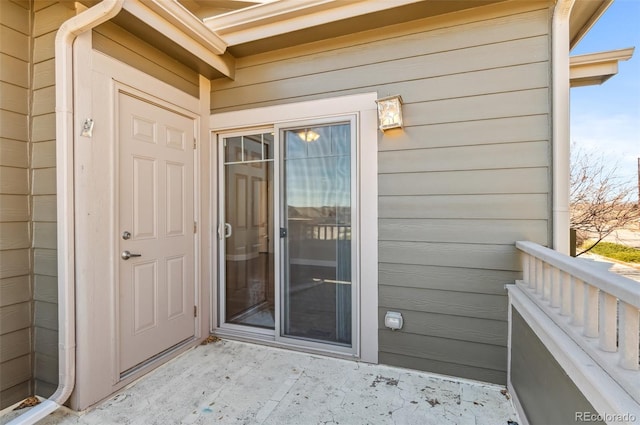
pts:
[467, 176]
[28, 242]
[15, 185]
[545, 391]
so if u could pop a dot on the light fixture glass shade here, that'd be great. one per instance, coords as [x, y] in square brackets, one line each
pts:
[308, 135]
[390, 112]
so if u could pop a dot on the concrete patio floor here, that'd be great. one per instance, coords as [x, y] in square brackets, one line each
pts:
[231, 382]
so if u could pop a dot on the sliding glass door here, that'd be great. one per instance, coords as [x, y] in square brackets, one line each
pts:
[287, 235]
[248, 262]
[316, 216]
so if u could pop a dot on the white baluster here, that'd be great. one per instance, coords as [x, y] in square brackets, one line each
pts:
[591, 312]
[525, 269]
[539, 276]
[532, 272]
[608, 310]
[546, 281]
[629, 336]
[565, 308]
[555, 287]
[577, 296]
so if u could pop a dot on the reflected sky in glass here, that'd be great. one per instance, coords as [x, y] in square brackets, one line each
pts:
[318, 173]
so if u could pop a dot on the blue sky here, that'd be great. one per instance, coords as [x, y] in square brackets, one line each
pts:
[606, 118]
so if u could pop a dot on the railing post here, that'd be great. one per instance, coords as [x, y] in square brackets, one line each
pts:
[608, 322]
[629, 336]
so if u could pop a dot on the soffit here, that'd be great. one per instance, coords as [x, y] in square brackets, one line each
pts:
[208, 8]
[160, 41]
[247, 33]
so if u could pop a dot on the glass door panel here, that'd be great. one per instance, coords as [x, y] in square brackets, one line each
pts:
[249, 296]
[316, 219]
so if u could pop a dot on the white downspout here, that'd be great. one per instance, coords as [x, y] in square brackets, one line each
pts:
[65, 37]
[560, 123]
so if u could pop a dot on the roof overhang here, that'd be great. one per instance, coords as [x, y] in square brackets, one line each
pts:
[285, 23]
[168, 26]
[596, 68]
[584, 15]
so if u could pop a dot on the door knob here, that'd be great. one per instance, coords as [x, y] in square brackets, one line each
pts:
[126, 255]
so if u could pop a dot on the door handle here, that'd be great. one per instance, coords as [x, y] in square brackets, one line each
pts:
[126, 255]
[228, 230]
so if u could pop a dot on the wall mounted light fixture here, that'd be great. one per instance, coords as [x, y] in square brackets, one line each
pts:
[390, 112]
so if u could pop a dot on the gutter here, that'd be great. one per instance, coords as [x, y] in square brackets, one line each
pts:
[65, 36]
[560, 144]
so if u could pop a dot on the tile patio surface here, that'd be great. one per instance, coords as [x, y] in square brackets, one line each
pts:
[230, 382]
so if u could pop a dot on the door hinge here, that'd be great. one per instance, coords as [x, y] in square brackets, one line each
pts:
[194, 142]
[195, 227]
[195, 311]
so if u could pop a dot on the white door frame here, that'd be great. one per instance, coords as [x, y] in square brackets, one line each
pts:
[364, 107]
[95, 195]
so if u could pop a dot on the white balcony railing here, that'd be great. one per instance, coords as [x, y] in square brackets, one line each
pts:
[598, 310]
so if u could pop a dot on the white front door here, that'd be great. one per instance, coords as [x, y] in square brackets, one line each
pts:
[156, 225]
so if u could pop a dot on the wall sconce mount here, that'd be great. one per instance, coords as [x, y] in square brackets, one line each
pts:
[389, 112]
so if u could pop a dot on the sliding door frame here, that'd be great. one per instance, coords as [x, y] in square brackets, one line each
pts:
[363, 107]
[222, 252]
[281, 253]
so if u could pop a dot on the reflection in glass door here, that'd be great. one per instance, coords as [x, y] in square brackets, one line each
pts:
[248, 274]
[317, 244]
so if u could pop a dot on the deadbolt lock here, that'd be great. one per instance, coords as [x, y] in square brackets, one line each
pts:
[126, 235]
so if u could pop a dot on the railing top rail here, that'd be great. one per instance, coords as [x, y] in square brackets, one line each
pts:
[620, 287]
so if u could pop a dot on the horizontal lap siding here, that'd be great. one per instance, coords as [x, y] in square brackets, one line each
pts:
[467, 176]
[15, 234]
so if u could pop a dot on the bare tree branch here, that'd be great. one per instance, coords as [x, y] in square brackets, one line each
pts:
[600, 201]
